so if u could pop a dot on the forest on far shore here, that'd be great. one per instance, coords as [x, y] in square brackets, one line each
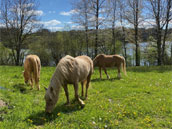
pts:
[101, 26]
[52, 46]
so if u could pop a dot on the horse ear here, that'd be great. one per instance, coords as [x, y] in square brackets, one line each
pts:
[45, 88]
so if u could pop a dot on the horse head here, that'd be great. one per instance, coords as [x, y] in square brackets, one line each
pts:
[50, 100]
[26, 77]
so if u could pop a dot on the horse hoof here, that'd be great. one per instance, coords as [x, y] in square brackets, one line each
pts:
[82, 105]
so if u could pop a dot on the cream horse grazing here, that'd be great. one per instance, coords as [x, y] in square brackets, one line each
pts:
[69, 71]
[103, 61]
[32, 68]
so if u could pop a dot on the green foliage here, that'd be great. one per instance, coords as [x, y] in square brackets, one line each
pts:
[150, 53]
[40, 48]
[5, 55]
[140, 100]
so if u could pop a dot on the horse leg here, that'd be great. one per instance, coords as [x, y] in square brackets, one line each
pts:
[31, 80]
[66, 93]
[100, 71]
[106, 72]
[119, 75]
[77, 96]
[87, 85]
[82, 90]
[36, 81]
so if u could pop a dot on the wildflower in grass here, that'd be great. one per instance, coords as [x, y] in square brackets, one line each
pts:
[116, 122]
[111, 122]
[30, 121]
[44, 119]
[147, 119]
[149, 125]
[58, 125]
[134, 113]
[94, 122]
[58, 114]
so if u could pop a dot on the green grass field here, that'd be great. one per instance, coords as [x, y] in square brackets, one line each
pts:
[142, 99]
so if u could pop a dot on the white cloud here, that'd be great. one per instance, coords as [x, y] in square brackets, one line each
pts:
[148, 23]
[35, 12]
[69, 13]
[69, 22]
[93, 18]
[55, 28]
[51, 23]
[77, 27]
[2, 25]
[26, 12]
[51, 12]
[28, 5]
[38, 12]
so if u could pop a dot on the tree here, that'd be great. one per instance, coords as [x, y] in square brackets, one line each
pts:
[20, 19]
[5, 55]
[168, 18]
[112, 5]
[133, 16]
[160, 12]
[97, 10]
[82, 17]
[122, 11]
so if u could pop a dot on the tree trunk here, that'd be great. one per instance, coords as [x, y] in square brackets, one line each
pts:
[86, 39]
[113, 38]
[97, 27]
[159, 46]
[18, 57]
[136, 36]
[166, 29]
[163, 44]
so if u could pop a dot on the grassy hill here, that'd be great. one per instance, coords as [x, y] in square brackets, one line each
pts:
[142, 99]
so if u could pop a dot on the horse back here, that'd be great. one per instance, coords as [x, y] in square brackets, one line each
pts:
[109, 60]
[32, 64]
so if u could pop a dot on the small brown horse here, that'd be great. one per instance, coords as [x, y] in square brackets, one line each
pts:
[103, 61]
[69, 71]
[32, 68]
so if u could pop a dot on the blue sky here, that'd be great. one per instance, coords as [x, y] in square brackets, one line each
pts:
[55, 14]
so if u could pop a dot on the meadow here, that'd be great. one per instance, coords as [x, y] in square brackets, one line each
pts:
[142, 99]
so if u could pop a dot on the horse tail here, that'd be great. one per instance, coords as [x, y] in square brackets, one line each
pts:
[36, 71]
[124, 66]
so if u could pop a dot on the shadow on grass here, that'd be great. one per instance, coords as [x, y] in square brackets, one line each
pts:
[42, 117]
[99, 80]
[21, 87]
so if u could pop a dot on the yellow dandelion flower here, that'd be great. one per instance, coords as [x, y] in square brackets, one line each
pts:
[116, 122]
[58, 114]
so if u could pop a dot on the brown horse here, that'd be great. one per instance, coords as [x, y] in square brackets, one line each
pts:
[69, 71]
[32, 68]
[103, 61]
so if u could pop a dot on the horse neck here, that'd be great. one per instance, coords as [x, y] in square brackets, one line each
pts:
[56, 82]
